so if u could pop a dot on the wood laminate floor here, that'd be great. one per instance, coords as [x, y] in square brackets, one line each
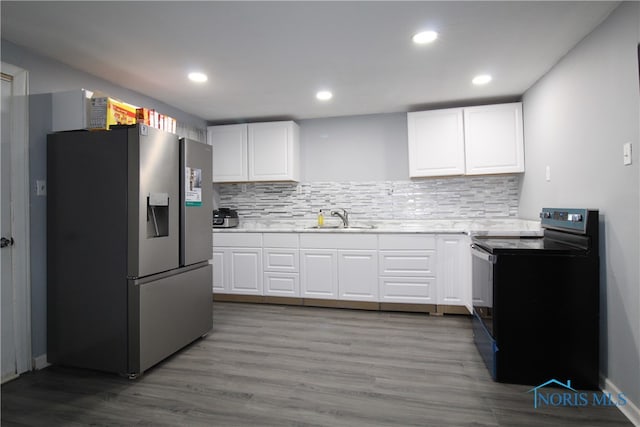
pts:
[268, 365]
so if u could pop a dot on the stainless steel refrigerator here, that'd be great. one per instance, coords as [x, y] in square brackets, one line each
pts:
[128, 244]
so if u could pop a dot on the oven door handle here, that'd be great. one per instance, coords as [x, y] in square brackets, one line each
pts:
[479, 252]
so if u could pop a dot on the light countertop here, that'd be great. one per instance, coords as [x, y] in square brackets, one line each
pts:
[472, 226]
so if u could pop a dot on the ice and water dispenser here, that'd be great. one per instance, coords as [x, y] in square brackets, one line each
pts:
[157, 215]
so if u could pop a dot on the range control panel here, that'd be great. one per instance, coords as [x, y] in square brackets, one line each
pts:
[572, 220]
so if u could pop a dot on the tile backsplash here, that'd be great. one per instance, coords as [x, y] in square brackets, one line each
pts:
[493, 196]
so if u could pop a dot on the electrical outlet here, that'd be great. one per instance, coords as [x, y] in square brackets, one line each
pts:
[548, 173]
[626, 154]
[41, 187]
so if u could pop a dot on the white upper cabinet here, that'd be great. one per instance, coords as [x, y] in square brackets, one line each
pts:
[273, 151]
[436, 142]
[255, 152]
[229, 147]
[479, 140]
[494, 139]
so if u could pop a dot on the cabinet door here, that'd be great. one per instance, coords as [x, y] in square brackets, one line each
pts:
[454, 272]
[436, 143]
[319, 273]
[494, 139]
[357, 275]
[245, 271]
[219, 269]
[229, 147]
[273, 151]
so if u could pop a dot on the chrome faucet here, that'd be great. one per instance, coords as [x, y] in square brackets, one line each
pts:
[344, 216]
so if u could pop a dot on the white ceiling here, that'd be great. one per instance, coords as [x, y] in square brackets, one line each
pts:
[267, 59]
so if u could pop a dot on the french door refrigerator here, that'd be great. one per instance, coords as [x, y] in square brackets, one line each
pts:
[128, 244]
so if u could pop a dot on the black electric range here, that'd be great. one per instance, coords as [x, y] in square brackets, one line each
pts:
[536, 301]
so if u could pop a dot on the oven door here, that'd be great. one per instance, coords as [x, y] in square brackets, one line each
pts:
[482, 286]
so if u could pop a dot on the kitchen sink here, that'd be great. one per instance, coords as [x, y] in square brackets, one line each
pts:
[340, 227]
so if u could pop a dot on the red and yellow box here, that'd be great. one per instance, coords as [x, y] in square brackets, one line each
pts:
[143, 115]
[106, 112]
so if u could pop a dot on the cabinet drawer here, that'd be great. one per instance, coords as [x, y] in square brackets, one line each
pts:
[280, 240]
[282, 284]
[407, 241]
[237, 240]
[281, 260]
[407, 263]
[338, 241]
[408, 289]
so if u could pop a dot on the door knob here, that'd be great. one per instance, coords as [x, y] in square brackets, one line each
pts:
[4, 242]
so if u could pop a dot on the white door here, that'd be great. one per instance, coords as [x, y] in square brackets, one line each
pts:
[358, 275]
[15, 314]
[229, 150]
[270, 151]
[245, 271]
[319, 273]
[436, 142]
[220, 281]
[494, 141]
[454, 275]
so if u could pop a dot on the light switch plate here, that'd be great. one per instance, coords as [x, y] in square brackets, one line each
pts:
[626, 150]
[41, 187]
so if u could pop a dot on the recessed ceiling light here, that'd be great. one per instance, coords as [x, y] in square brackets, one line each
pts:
[324, 95]
[197, 77]
[482, 79]
[424, 37]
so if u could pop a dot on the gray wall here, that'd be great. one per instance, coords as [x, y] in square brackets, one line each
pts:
[46, 76]
[354, 148]
[577, 118]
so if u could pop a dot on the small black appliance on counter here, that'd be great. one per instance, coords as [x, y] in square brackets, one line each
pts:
[225, 218]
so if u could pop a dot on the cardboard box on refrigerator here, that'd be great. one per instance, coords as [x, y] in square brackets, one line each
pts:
[106, 111]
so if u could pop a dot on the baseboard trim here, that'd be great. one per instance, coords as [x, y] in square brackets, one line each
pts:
[452, 309]
[39, 362]
[630, 410]
[432, 309]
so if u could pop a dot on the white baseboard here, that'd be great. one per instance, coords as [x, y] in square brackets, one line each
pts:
[630, 410]
[39, 362]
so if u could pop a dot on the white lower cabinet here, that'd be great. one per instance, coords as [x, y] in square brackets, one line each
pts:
[281, 265]
[454, 267]
[220, 284]
[357, 274]
[401, 268]
[319, 273]
[245, 271]
[237, 263]
[339, 266]
[407, 269]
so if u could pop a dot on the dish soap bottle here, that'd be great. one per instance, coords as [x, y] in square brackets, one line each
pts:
[320, 218]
